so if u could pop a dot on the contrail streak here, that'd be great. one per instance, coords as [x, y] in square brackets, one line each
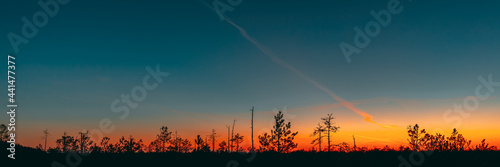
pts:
[275, 58]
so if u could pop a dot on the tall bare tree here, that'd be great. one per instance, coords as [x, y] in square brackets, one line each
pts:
[45, 137]
[330, 128]
[212, 139]
[252, 128]
[318, 131]
[354, 146]
[84, 141]
[232, 135]
[228, 138]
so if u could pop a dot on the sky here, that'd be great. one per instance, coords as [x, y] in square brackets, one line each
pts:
[278, 55]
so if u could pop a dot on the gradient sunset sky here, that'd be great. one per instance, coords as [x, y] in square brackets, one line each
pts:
[427, 59]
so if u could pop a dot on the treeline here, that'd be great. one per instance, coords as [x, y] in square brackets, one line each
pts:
[280, 140]
[420, 140]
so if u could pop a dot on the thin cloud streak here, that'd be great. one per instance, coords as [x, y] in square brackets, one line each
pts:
[276, 59]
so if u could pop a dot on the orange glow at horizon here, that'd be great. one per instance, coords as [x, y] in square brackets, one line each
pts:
[481, 125]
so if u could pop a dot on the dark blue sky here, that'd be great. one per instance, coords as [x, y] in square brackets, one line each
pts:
[93, 51]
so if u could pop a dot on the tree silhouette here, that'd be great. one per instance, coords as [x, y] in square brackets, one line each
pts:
[175, 143]
[39, 147]
[281, 139]
[232, 135]
[457, 141]
[354, 145]
[330, 128]
[130, 145]
[420, 140]
[318, 131]
[228, 137]
[238, 139]
[205, 147]
[184, 145]
[180, 145]
[4, 133]
[199, 143]
[252, 149]
[84, 141]
[67, 143]
[344, 147]
[387, 148]
[105, 146]
[265, 142]
[45, 137]
[156, 145]
[484, 146]
[164, 137]
[415, 136]
[222, 146]
[433, 142]
[212, 139]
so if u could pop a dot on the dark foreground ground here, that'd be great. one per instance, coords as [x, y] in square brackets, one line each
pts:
[35, 158]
